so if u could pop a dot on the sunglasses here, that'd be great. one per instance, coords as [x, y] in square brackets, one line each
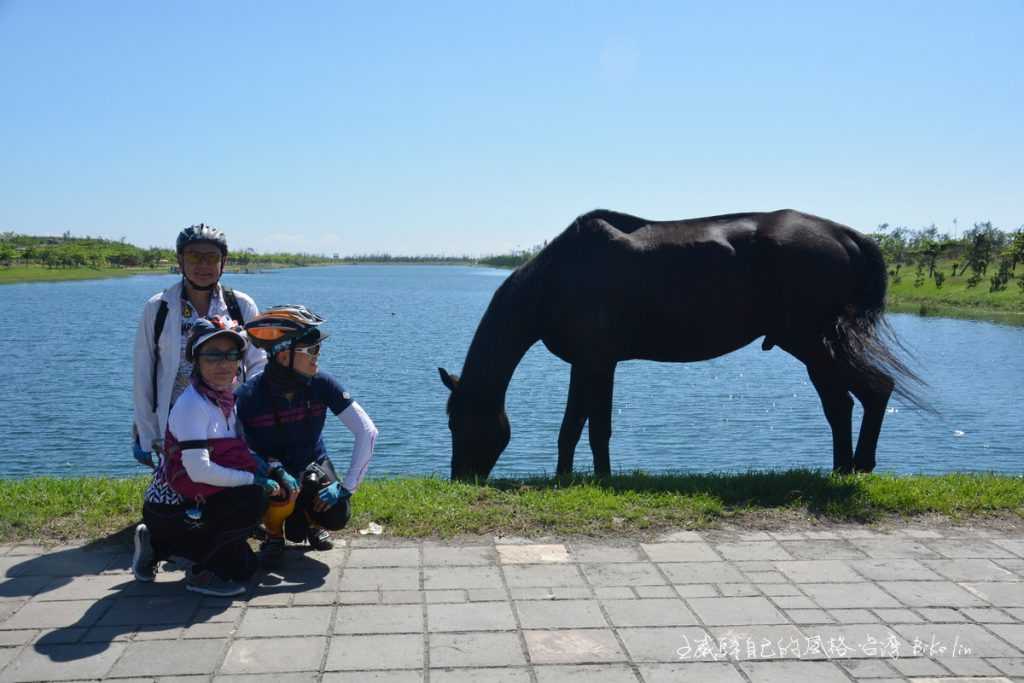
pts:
[195, 258]
[222, 356]
[311, 351]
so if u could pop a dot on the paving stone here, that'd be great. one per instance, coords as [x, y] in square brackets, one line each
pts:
[211, 630]
[9, 606]
[970, 570]
[755, 566]
[159, 632]
[170, 658]
[487, 594]
[66, 563]
[964, 549]
[868, 668]
[623, 592]
[853, 616]
[382, 578]
[373, 677]
[572, 646]
[895, 570]
[1014, 545]
[109, 634]
[402, 597]
[919, 666]
[793, 672]
[358, 597]
[15, 638]
[61, 663]
[1011, 666]
[778, 589]
[691, 672]
[231, 614]
[850, 641]
[272, 600]
[817, 571]
[998, 594]
[367, 619]
[497, 675]
[85, 588]
[623, 574]
[25, 586]
[962, 680]
[848, 595]
[680, 552]
[307, 677]
[822, 550]
[695, 590]
[894, 548]
[736, 611]
[701, 572]
[1011, 633]
[384, 557]
[285, 621]
[631, 613]
[765, 577]
[681, 537]
[968, 666]
[920, 533]
[458, 556]
[561, 614]
[971, 638]
[654, 592]
[930, 594]
[81, 613]
[737, 590]
[60, 636]
[941, 614]
[987, 615]
[898, 616]
[525, 576]
[532, 554]
[314, 599]
[473, 616]
[175, 610]
[364, 652]
[584, 673]
[674, 644]
[553, 593]
[475, 649]
[606, 554]
[437, 597]
[755, 550]
[821, 535]
[446, 578]
[809, 616]
[794, 602]
[281, 655]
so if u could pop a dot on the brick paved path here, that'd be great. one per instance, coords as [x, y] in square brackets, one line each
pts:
[711, 607]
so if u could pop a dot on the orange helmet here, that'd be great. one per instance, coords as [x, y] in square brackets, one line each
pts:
[279, 328]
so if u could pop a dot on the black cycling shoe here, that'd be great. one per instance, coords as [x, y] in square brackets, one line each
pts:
[320, 539]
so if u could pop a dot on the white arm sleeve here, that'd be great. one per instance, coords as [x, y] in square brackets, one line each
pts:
[204, 471]
[365, 432]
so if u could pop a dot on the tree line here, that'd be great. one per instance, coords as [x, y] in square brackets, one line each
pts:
[985, 251]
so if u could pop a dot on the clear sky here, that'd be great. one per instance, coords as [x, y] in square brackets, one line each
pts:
[471, 128]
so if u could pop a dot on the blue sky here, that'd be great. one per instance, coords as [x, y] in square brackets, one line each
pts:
[463, 128]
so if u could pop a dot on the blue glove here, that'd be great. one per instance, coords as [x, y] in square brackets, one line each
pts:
[261, 465]
[144, 457]
[333, 492]
[281, 476]
[270, 487]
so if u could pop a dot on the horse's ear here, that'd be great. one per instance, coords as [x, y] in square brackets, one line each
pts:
[450, 381]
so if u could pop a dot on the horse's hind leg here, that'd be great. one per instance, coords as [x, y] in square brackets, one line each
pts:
[599, 390]
[838, 405]
[874, 398]
[572, 422]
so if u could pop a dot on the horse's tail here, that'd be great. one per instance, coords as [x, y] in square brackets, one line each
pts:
[863, 337]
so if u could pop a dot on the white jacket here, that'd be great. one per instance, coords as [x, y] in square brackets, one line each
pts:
[152, 425]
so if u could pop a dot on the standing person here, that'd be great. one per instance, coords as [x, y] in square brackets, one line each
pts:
[209, 493]
[282, 413]
[161, 370]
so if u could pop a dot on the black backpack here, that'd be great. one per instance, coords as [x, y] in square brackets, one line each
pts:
[161, 316]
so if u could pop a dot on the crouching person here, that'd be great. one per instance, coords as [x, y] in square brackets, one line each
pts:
[282, 413]
[209, 492]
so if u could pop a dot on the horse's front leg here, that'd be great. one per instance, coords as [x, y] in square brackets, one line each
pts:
[600, 384]
[572, 423]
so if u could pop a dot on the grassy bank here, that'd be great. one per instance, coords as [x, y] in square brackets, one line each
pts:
[32, 273]
[51, 510]
[954, 299]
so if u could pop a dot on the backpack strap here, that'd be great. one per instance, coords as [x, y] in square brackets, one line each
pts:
[232, 302]
[158, 328]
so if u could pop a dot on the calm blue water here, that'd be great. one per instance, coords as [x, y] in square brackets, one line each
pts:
[67, 350]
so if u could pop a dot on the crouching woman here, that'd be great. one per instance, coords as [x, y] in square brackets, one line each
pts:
[209, 492]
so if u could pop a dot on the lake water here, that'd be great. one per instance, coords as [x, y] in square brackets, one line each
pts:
[67, 350]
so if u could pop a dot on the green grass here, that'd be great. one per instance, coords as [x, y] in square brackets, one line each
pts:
[48, 510]
[954, 295]
[15, 274]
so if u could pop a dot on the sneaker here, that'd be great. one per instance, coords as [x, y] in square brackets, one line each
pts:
[320, 539]
[272, 552]
[208, 583]
[143, 558]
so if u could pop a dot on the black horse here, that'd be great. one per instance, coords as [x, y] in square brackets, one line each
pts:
[615, 287]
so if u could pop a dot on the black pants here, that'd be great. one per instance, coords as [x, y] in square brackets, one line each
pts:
[218, 542]
[296, 527]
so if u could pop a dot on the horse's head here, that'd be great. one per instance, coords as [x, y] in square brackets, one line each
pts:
[480, 431]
